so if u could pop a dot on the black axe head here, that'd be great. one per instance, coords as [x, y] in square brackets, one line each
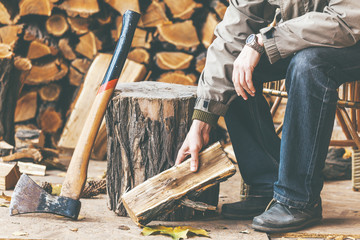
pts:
[28, 197]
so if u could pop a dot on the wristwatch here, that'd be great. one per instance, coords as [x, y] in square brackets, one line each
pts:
[252, 41]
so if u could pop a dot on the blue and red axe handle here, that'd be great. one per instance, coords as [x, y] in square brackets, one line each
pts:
[77, 171]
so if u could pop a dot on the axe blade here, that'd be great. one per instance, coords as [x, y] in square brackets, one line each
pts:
[28, 197]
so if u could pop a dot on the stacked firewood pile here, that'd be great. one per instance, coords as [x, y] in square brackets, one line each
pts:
[48, 46]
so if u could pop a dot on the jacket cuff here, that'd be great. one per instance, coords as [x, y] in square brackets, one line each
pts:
[270, 45]
[205, 117]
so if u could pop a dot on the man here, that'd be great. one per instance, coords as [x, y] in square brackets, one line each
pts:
[314, 46]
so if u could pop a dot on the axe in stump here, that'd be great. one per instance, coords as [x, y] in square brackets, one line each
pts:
[28, 197]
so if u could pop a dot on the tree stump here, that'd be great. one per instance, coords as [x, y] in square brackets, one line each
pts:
[147, 122]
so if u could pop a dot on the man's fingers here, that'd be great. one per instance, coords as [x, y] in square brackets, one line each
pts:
[194, 164]
[181, 156]
[241, 86]
[249, 82]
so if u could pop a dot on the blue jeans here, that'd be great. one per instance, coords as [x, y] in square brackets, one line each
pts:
[290, 169]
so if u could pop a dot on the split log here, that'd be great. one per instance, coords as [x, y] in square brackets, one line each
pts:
[28, 136]
[9, 176]
[121, 6]
[154, 15]
[57, 25]
[10, 34]
[82, 8]
[5, 148]
[208, 29]
[5, 51]
[75, 77]
[79, 25]
[22, 64]
[183, 35]
[173, 60]
[38, 7]
[86, 96]
[81, 64]
[9, 89]
[66, 50]
[32, 154]
[49, 119]
[132, 72]
[26, 107]
[38, 49]
[32, 168]
[87, 45]
[139, 55]
[5, 17]
[141, 39]
[182, 9]
[178, 77]
[46, 73]
[50, 92]
[146, 123]
[166, 191]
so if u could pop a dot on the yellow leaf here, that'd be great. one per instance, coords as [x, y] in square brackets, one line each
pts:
[7, 198]
[196, 231]
[56, 189]
[176, 233]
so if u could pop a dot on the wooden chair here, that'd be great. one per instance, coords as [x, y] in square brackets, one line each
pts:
[347, 115]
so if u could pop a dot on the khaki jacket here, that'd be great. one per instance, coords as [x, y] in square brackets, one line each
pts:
[303, 24]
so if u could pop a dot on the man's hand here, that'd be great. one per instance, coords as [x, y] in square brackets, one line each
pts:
[197, 137]
[244, 66]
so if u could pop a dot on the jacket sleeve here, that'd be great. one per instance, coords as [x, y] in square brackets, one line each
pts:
[215, 89]
[338, 25]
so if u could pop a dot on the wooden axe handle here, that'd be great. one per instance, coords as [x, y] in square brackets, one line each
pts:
[77, 171]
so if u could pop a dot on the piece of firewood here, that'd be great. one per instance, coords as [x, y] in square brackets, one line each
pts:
[9, 176]
[28, 136]
[79, 25]
[87, 45]
[26, 107]
[10, 34]
[178, 77]
[132, 72]
[35, 32]
[81, 64]
[38, 49]
[22, 64]
[56, 25]
[200, 62]
[5, 51]
[80, 7]
[5, 148]
[139, 55]
[141, 39]
[46, 73]
[5, 17]
[85, 97]
[154, 15]
[30, 153]
[32, 168]
[163, 193]
[75, 77]
[121, 6]
[182, 9]
[49, 119]
[208, 29]
[66, 50]
[38, 7]
[173, 60]
[100, 144]
[50, 92]
[182, 34]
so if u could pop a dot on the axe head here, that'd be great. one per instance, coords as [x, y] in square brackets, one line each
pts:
[28, 197]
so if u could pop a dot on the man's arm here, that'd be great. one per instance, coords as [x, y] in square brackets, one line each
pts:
[337, 26]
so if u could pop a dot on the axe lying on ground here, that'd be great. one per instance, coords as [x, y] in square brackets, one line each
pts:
[28, 197]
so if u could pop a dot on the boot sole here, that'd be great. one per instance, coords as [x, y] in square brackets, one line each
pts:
[285, 229]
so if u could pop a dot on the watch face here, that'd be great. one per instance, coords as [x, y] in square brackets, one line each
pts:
[250, 38]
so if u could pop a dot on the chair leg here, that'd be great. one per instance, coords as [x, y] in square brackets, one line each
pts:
[350, 126]
[342, 124]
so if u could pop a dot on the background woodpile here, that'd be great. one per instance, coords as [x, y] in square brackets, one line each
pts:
[47, 47]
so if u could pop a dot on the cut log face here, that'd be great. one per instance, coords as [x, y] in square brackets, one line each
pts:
[178, 77]
[10, 34]
[26, 107]
[66, 49]
[183, 34]
[79, 25]
[57, 25]
[5, 17]
[38, 7]
[83, 8]
[182, 8]
[173, 60]
[5, 51]
[50, 92]
[22, 64]
[162, 193]
[75, 77]
[208, 29]
[81, 64]
[50, 120]
[139, 55]
[38, 49]
[121, 6]
[154, 15]
[49, 72]
[87, 45]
